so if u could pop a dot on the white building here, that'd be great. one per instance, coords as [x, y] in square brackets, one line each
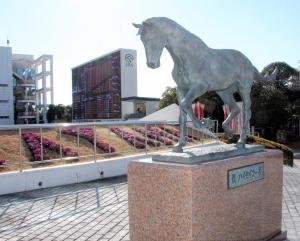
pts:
[26, 87]
[135, 107]
[44, 85]
[6, 87]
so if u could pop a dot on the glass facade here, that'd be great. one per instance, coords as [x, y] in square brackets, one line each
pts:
[96, 88]
[24, 95]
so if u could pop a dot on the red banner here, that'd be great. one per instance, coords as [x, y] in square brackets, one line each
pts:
[198, 109]
[237, 122]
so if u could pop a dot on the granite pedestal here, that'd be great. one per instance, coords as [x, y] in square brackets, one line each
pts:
[193, 202]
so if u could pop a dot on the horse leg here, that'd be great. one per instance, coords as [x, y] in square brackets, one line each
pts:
[186, 103]
[182, 123]
[227, 97]
[245, 94]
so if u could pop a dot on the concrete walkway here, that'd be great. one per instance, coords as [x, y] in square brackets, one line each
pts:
[98, 211]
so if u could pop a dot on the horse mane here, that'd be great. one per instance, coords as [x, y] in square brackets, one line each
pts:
[168, 25]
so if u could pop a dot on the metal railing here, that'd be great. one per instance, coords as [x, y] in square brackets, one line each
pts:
[94, 155]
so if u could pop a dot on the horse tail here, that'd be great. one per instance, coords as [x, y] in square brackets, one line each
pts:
[256, 75]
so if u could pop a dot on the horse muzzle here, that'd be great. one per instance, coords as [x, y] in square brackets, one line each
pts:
[152, 65]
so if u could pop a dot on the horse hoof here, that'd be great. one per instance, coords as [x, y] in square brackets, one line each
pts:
[240, 145]
[228, 133]
[177, 148]
[230, 138]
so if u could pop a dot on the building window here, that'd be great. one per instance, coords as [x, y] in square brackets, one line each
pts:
[4, 117]
[3, 85]
[3, 101]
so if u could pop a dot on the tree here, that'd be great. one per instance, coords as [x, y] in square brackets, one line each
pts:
[68, 113]
[275, 98]
[51, 113]
[60, 113]
[282, 74]
[169, 97]
[268, 107]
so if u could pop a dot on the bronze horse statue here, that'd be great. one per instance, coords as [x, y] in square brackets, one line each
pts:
[198, 69]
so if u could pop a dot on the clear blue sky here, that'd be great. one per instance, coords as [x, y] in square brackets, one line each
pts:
[74, 31]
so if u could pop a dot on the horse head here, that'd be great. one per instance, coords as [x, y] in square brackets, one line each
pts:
[154, 42]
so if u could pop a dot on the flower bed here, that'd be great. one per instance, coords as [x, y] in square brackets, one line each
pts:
[175, 132]
[288, 155]
[53, 146]
[137, 141]
[35, 147]
[164, 133]
[154, 134]
[34, 143]
[88, 134]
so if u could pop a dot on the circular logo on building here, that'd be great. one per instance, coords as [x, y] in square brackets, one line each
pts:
[129, 59]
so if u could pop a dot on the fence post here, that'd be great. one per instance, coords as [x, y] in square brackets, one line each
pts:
[146, 140]
[42, 153]
[164, 134]
[60, 149]
[78, 141]
[134, 130]
[109, 139]
[187, 133]
[20, 151]
[122, 135]
[192, 130]
[155, 135]
[95, 147]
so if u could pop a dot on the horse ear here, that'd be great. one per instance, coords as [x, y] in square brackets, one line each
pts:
[139, 26]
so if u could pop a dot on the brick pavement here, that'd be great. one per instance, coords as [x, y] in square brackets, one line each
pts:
[291, 202]
[98, 211]
[87, 211]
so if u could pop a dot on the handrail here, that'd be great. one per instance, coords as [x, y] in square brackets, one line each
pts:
[20, 129]
[104, 123]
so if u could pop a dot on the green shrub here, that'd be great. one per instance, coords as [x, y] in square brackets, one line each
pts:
[288, 155]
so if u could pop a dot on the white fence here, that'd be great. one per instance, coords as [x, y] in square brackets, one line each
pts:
[153, 136]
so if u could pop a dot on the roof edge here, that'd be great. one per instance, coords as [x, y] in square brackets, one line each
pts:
[140, 98]
[101, 56]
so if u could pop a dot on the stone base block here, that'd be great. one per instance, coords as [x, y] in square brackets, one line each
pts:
[196, 202]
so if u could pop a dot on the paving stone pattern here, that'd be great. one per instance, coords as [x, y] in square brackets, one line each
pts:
[98, 210]
[87, 211]
[291, 202]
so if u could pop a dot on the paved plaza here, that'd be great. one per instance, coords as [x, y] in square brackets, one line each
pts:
[98, 211]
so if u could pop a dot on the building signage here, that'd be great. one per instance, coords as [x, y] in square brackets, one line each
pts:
[243, 175]
[129, 60]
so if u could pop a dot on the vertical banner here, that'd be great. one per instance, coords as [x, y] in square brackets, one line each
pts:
[236, 124]
[198, 109]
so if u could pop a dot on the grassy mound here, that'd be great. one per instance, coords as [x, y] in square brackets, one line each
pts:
[288, 155]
